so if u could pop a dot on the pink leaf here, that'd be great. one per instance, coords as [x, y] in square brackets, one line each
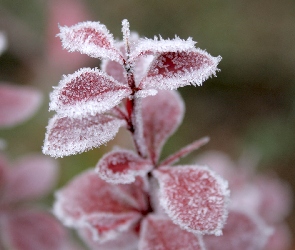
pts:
[241, 231]
[122, 166]
[87, 91]
[32, 230]
[32, 177]
[156, 46]
[224, 166]
[194, 197]
[115, 70]
[275, 198]
[64, 12]
[17, 104]
[67, 136]
[162, 234]
[184, 151]
[162, 114]
[124, 241]
[102, 208]
[171, 70]
[91, 38]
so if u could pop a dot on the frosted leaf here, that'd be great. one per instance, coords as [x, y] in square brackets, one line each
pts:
[17, 104]
[141, 66]
[90, 202]
[161, 116]
[122, 166]
[115, 70]
[32, 229]
[67, 136]
[126, 35]
[91, 38]
[160, 233]
[136, 193]
[222, 165]
[124, 241]
[241, 231]
[194, 197]
[87, 91]
[3, 42]
[155, 46]
[31, 177]
[171, 70]
[184, 151]
[63, 12]
[145, 92]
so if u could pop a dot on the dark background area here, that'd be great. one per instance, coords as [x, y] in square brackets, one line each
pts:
[250, 106]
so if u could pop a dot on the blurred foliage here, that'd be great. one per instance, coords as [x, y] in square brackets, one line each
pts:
[250, 105]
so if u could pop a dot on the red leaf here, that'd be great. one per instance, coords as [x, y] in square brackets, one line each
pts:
[87, 91]
[162, 114]
[89, 202]
[31, 177]
[122, 166]
[66, 136]
[194, 197]
[149, 46]
[241, 231]
[275, 198]
[124, 241]
[32, 230]
[184, 152]
[115, 70]
[17, 104]
[162, 234]
[171, 70]
[91, 38]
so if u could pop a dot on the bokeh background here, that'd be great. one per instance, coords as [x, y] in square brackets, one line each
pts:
[249, 108]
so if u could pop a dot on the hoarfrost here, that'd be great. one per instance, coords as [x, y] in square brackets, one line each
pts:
[160, 233]
[67, 136]
[87, 91]
[171, 70]
[91, 203]
[122, 166]
[90, 38]
[242, 230]
[156, 46]
[194, 197]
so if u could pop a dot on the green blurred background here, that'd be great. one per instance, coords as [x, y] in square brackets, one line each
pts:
[250, 106]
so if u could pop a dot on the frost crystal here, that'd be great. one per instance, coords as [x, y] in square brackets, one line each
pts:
[122, 166]
[194, 197]
[113, 207]
[135, 68]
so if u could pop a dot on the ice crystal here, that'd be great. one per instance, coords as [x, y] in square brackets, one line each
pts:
[135, 89]
[135, 68]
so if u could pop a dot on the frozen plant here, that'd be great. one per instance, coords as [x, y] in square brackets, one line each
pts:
[132, 200]
[258, 208]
